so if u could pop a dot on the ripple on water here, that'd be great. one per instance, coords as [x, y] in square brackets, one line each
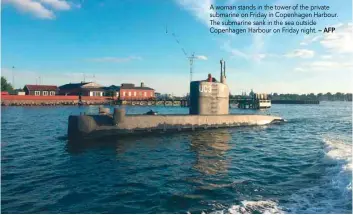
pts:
[301, 166]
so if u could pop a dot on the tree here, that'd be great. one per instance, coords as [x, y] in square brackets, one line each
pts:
[329, 96]
[5, 86]
[339, 96]
[319, 96]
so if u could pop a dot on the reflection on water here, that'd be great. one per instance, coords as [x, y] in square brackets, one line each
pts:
[210, 148]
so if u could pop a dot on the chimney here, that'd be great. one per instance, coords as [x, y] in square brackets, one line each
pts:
[142, 84]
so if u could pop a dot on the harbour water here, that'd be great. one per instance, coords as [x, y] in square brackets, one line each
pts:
[301, 166]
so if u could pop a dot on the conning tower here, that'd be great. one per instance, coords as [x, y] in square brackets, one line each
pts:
[210, 96]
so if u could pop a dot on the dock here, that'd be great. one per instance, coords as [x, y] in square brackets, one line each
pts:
[295, 102]
[253, 101]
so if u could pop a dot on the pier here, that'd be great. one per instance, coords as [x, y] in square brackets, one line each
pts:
[295, 102]
[253, 101]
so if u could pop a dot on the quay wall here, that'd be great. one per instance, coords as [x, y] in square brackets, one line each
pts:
[31, 100]
[28, 100]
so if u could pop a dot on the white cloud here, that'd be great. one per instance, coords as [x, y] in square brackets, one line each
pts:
[115, 59]
[32, 7]
[337, 51]
[43, 9]
[199, 8]
[341, 41]
[237, 53]
[338, 42]
[326, 56]
[299, 69]
[57, 4]
[201, 57]
[301, 53]
[325, 66]
[310, 39]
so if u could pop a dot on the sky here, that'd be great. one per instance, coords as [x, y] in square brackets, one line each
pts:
[132, 41]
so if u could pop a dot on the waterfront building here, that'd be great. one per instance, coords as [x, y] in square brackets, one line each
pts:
[131, 92]
[83, 89]
[111, 91]
[40, 90]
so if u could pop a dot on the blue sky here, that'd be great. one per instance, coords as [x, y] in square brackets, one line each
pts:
[112, 42]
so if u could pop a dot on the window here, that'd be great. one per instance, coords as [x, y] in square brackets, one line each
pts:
[140, 93]
[95, 93]
[124, 93]
[37, 93]
[52, 93]
[45, 93]
[129, 93]
[145, 94]
[135, 93]
[151, 94]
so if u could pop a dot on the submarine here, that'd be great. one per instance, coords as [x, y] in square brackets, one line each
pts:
[208, 109]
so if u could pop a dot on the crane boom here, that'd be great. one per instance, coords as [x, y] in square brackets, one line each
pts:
[191, 58]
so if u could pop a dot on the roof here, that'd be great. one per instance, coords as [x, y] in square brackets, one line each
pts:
[112, 87]
[132, 87]
[127, 85]
[137, 88]
[41, 87]
[72, 85]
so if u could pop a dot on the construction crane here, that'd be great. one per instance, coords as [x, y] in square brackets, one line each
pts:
[191, 57]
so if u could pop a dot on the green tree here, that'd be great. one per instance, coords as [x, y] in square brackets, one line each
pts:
[5, 86]
[339, 96]
[329, 96]
[319, 96]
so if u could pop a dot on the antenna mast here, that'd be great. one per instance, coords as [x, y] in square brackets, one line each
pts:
[191, 59]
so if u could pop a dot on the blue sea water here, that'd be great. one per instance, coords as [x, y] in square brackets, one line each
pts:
[301, 166]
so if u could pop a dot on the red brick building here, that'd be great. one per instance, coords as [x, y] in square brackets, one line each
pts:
[130, 92]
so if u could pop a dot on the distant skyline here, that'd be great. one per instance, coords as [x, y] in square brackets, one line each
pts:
[131, 41]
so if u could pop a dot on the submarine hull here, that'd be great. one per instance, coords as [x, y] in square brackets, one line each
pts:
[97, 126]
